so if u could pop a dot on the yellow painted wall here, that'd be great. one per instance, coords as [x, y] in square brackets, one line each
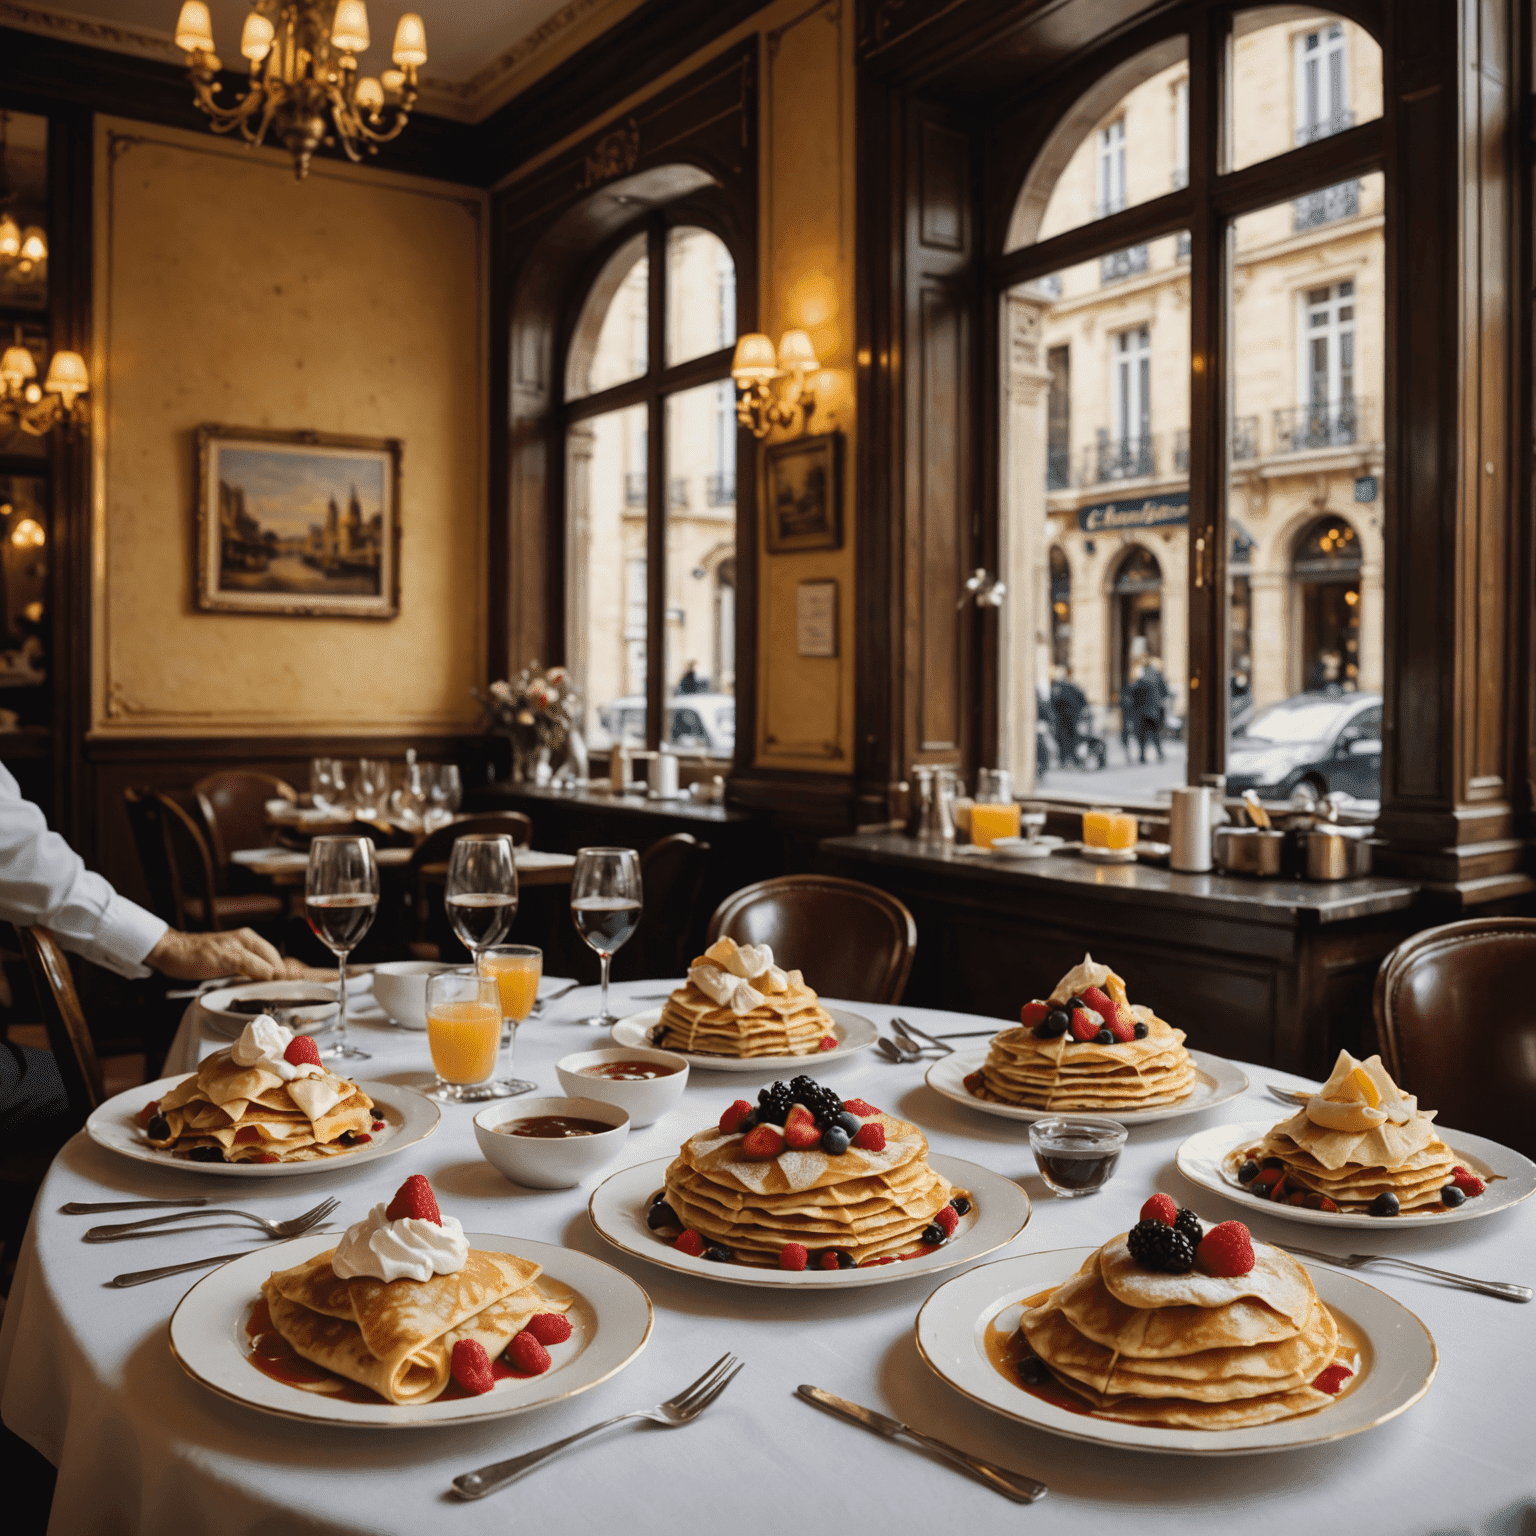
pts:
[353, 302]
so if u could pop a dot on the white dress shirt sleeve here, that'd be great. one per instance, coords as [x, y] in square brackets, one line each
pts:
[44, 881]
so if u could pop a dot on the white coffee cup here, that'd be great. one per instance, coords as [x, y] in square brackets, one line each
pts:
[662, 774]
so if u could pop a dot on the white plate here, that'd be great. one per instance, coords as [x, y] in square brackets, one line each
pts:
[409, 1117]
[1200, 1155]
[854, 1033]
[1217, 1080]
[999, 1212]
[952, 1325]
[611, 1320]
[312, 1019]
[1108, 855]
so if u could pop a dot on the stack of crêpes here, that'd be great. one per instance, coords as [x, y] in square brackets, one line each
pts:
[1357, 1138]
[1191, 1350]
[867, 1204]
[1136, 1069]
[737, 1002]
[254, 1102]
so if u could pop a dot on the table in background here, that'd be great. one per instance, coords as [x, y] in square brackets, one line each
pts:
[142, 1448]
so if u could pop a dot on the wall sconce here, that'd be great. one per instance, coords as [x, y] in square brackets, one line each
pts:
[37, 407]
[987, 590]
[772, 389]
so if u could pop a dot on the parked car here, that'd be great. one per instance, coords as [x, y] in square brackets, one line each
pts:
[704, 723]
[1330, 741]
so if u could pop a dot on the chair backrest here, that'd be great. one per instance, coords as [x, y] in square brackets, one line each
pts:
[437, 846]
[178, 864]
[234, 807]
[68, 1033]
[851, 940]
[672, 873]
[1452, 1030]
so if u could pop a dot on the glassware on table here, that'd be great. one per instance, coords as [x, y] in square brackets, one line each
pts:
[445, 791]
[324, 792]
[481, 893]
[1076, 1154]
[408, 799]
[464, 1035]
[517, 969]
[605, 906]
[1109, 828]
[370, 788]
[994, 812]
[341, 896]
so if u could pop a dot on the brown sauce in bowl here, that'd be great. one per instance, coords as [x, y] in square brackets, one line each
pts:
[554, 1126]
[630, 1071]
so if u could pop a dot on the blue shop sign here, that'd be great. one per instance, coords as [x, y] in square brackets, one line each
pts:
[1140, 512]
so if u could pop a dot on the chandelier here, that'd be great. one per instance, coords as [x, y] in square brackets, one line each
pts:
[23, 251]
[36, 407]
[305, 86]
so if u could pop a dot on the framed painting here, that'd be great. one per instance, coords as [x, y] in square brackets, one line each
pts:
[297, 523]
[805, 493]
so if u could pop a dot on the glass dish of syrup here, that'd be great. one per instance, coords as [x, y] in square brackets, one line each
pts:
[1076, 1154]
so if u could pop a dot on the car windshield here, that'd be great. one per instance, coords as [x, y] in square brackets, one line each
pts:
[1309, 720]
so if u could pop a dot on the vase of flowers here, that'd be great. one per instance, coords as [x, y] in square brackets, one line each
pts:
[536, 711]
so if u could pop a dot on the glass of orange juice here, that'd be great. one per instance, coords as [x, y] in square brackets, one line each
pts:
[517, 969]
[464, 1035]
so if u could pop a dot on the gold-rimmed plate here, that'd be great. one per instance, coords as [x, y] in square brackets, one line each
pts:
[952, 1331]
[610, 1316]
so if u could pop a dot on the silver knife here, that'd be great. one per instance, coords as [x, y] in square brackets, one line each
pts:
[92, 1207]
[1012, 1485]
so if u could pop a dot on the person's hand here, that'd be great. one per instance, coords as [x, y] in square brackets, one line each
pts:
[197, 956]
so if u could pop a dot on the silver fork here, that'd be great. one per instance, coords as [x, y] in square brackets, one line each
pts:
[1503, 1289]
[894, 1051]
[682, 1409]
[919, 1039]
[293, 1227]
[1291, 1095]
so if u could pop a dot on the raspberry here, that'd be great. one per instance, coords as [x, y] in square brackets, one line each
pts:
[1226, 1250]
[1085, 1024]
[471, 1367]
[974, 1082]
[762, 1142]
[302, 1052]
[801, 1130]
[1160, 1208]
[1265, 1180]
[871, 1137]
[549, 1328]
[1333, 1378]
[793, 1256]
[690, 1242]
[733, 1117]
[828, 1260]
[415, 1198]
[828, 1043]
[1032, 1013]
[947, 1218]
[1468, 1183]
[527, 1355]
[860, 1108]
[148, 1113]
[1098, 1000]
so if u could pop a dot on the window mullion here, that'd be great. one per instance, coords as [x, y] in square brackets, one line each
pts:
[656, 490]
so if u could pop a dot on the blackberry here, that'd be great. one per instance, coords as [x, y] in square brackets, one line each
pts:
[1189, 1224]
[822, 1102]
[1452, 1196]
[206, 1155]
[773, 1104]
[159, 1129]
[1156, 1245]
[845, 1260]
[961, 1205]
[1248, 1172]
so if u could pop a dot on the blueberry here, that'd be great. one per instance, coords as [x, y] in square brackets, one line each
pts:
[1248, 1172]
[1140, 1031]
[933, 1233]
[661, 1215]
[845, 1260]
[206, 1155]
[961, 1205]
[1383, 1205]
[159, 1129]
[1104, 1037]
[848, 1122]
[1452, 1196]
[1032, 1371]
[834, 1140]
[717, 1255]
[1057, 1022]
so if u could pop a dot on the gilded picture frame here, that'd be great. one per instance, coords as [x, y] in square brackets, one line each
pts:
[804, 505]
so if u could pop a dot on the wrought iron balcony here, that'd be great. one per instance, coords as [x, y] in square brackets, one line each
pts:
[1326, 424]
[634, 490]
[720, 490]
[1335, 122]
[1245, 439]
[1327, 206]
[1181, 451]
[1122, 264]
[677, 491]
[1058, 469]
[1127, 458]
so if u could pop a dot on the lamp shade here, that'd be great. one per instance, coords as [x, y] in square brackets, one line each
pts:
[194, 27]
[349, 31]
[369, 95]
[256, 38]
[67, 377]
[17, 366]
[410, 41]
[34, 244]
[10, 235]
[796, 351]
[754, 358]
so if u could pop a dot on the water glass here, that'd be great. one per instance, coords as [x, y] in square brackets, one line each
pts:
[464, 1035]
[370, 790]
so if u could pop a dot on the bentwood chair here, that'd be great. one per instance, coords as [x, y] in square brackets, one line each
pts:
[68, 1033]
[851, 940]
[427, 872]
[1452, 1028]
[234, 806]
[672, 874]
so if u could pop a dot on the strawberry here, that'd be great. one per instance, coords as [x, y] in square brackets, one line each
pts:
[732, 1118]
[828, 1043]
[948, 1218]
[793, 1256]
[690, 1242]
[148, 1113]
[527, 1355]
[1298, 1197]
[1325, 1204]
[1085, 1024]
[762, 1141]
[1120, 1022]
[860, 1108]
[415, 1198]
[974, 1082]
[1226, 1250]
[549, 1328]
[800, 1129]
[1333, 1378]
[1032, 1013]
[247, 1134]
[303, 1052]
[1160, 1208]
[1266, 1181]
[1098, 1000]
[1468, 1183]
[871, 1137]
[471, 1367]
[828, 1260]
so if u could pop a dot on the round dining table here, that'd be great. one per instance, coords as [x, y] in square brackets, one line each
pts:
[89, 1379]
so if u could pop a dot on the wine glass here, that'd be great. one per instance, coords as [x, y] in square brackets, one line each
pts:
[605, 906]
[464, 1035]
[517, 969]
[371, 788]
[341, 895]
[323, 792]
[445, 790]
[481, 894]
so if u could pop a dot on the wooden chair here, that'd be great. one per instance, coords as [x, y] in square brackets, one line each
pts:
[1452, 1030]
[851, 940]
[234, 803]
[429, 868]
[68, 1033]
[672, 874]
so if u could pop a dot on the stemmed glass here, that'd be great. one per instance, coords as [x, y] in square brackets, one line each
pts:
[481, 894]
[341, 896]
[605, 906]
[323, 791]
[517, 968]
[444, 792]
[371, 788]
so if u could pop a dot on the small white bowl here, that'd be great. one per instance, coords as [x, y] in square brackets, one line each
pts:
[401, 989]
[549, 1162]
[646, 1099]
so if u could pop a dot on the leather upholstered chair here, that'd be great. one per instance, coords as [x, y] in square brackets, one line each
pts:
[234, 806]
[1452, 1028]
[851, 940]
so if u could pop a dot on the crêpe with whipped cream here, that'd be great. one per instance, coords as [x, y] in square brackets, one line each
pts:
[1060, 1072]
[1193, 1350]
[870, 1205]
[1359, 1136]
[247, 1103]
[737, 1002]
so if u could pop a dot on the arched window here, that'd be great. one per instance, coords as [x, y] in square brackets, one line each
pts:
[1137, 616]
[1325, 568]
[648, 419]
[1061, 608]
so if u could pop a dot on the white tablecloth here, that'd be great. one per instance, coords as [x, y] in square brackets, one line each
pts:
[89, 1380]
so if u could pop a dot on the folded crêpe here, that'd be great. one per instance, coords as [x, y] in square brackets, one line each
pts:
[1360, 1136]
[1190, 1351]
[737, 1002]
[869, 1204]
[1063, 1073]
[396, 1337]
[251, 1114]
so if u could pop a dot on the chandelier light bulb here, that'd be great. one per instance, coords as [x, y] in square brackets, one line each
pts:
[410, 41]
[10, 236]
[194, 28]
[349, 32]
[256, 38]
[369, 95]
[32, 394]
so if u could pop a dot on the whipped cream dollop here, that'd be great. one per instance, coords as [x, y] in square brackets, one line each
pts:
[262, 1043]
[1359, 1096]
[407, 1249]
[1088, 973]
[738, 976]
